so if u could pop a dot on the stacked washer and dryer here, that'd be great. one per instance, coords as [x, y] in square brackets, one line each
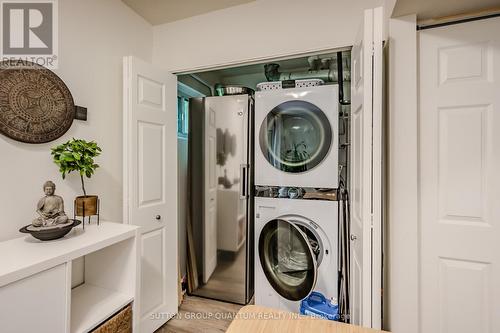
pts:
[296, 178]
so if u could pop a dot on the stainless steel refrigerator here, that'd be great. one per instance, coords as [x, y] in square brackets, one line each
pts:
[221, 204]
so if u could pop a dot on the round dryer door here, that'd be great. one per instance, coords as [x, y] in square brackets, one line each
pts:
[288, 258]
[295, 136]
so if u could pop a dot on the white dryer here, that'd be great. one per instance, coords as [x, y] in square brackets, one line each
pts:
[296, 141]
[295, 251]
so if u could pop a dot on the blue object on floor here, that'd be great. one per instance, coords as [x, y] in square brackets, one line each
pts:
[317, 305]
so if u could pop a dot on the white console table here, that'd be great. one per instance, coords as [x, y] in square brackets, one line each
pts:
[35, 279]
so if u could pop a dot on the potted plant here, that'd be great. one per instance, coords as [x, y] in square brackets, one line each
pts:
[78, 155]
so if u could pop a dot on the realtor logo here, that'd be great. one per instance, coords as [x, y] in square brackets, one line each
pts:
[29, 31]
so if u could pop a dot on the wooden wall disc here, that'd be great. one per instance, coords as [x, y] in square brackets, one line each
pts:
[35, 104]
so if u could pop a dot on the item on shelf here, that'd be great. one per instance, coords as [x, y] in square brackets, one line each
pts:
[50, 209]
[37, 106]
[277, 85]
[50, 233]
[78, 155]
[87, 206]
[119, 323]
[225, 90]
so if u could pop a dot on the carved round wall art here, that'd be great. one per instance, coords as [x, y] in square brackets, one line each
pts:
[35, 104]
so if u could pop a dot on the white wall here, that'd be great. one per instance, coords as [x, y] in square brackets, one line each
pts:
[94, 35]
[256, 31]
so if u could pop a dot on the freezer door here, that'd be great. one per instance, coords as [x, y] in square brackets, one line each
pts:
[224, 193]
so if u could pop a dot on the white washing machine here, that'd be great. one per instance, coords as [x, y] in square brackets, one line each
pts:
[295, 251]
[296, 141]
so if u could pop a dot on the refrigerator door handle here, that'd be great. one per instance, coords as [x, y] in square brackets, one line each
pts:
[243, 181]
[247, 181]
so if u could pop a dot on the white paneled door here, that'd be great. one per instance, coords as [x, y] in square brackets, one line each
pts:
[460, 178]
[366, 173]
[150, 187]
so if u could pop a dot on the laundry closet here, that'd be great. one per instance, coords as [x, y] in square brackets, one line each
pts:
[266, 162]
[279, 173]
[442, 83]
[274, 140]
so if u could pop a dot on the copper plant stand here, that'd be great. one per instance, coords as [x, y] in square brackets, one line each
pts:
[83, 210]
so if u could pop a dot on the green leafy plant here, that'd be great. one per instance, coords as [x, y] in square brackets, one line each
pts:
[77, 155]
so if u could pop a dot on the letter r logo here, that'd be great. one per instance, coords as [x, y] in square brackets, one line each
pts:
[27, 28]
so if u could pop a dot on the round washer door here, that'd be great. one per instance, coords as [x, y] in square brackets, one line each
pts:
[287, 259]
[295, 136]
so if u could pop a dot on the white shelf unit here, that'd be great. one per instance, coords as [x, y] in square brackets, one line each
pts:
[38, 279]
[91, 305]
[109, 285]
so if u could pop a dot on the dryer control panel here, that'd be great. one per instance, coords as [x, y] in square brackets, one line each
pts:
[304, 193]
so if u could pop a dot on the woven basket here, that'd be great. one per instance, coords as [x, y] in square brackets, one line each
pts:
[119, 323]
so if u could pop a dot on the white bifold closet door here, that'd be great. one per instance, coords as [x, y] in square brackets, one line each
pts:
[366, 173]
[460, 178]
[150, 187]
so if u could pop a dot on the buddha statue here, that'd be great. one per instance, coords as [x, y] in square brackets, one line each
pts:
[50, 208]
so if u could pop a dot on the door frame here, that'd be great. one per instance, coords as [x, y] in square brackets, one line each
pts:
[378, 196]
[253, 61]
